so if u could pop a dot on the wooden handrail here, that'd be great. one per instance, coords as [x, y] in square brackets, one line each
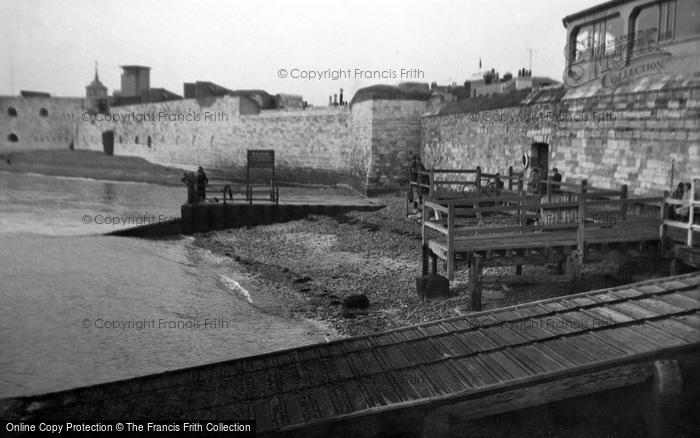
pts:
[688, 225]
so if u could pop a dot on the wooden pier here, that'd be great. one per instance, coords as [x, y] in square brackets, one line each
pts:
[404, 380]
[586, 225]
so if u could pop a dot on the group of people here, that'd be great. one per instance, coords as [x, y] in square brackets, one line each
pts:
[684, 192]
[538, 182]
[196, 185]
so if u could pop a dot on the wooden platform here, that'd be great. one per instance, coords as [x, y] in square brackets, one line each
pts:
[390, 383]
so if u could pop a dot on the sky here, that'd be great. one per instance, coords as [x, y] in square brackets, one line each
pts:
[52, 45]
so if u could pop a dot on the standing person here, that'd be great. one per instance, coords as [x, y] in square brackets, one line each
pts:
[534, 183]
[677, 194]
[189, 179]
[497, 183]
[202, 182]
[556, 178]
[683, 211]
[413, 167]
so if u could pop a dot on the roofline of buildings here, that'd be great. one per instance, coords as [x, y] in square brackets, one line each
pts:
[593, 9]
[135, 66]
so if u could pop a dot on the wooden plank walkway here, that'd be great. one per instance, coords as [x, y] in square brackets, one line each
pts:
[386, 383]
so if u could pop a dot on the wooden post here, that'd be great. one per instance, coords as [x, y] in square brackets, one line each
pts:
[623, 203]
[475, 272]
[521, 208]
[451, 241]
[549, 188]
[424, 230]
[581, 231]
[510, 178]
[425, 250]
[408, 196]
[662, 227]
[433, 259]
[477, 180]
[431, 183]
[521, 222]
[691, 212]
[664, 404]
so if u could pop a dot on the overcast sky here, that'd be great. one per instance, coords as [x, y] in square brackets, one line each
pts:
[51, 45]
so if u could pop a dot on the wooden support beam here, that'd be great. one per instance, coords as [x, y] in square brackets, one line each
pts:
[475, 273]
[623, 202]
[426, 251]
[581, 230]
[510, 178]
[573, 267]
[663, 216]
[663, 407]
[451, 242]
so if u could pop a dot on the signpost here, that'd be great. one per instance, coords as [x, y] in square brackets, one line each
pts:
[261, 161]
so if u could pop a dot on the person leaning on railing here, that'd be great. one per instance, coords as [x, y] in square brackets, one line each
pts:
[683, 211]
[676, 194]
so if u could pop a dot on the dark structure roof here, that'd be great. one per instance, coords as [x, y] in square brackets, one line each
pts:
[158, 95]
[388, 92]
[262, 97]
[27, 93]
[135, 67]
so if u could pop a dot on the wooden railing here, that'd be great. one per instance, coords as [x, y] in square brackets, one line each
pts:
[442, 184]
[523, 213]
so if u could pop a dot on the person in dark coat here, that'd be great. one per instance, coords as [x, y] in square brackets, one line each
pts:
[556, 178]
[202, 182]
[190, 179]
[535, 181]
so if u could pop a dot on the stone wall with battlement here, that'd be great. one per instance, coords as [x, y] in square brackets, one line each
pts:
[365, 147]
[642, 139]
